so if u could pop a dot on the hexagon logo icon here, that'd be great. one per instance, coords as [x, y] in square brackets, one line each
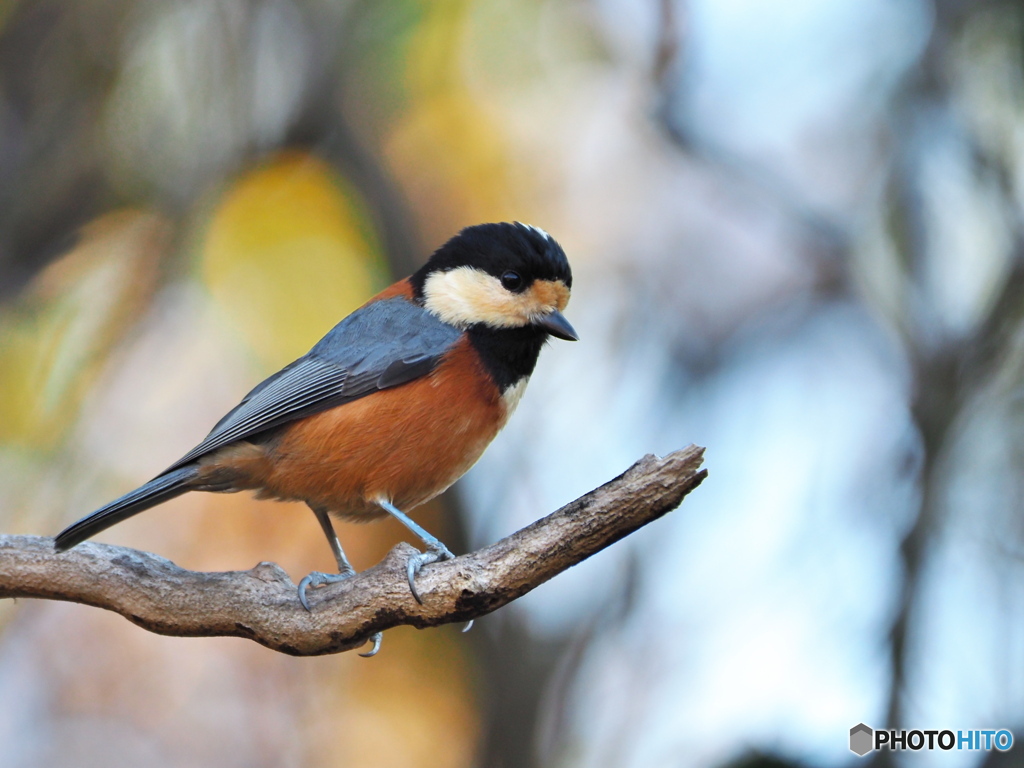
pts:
[861, 738]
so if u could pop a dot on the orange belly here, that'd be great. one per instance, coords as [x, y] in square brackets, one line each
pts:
[405, 445]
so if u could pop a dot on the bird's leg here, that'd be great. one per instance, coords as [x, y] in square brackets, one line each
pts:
[345, 570]
[435, 549]
[344, 566]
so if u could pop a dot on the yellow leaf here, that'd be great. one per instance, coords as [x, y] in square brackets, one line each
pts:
[450, 152]
[59, 330]
[289, 253]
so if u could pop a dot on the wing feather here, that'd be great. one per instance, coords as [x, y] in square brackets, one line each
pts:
[382, 345]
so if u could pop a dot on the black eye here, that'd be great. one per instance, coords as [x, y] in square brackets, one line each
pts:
[512, 281]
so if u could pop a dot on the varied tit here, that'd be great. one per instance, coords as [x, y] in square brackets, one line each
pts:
[394, 404]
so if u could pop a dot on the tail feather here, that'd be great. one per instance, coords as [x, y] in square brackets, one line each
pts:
[156, 491]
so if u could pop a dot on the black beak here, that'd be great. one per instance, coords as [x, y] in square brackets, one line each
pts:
[554, 322]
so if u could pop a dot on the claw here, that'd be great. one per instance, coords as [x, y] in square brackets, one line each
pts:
[377, 637]
[317, 579]
[416, 563]
[412, 568]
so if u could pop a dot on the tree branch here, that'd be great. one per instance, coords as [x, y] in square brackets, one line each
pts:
[262, 604]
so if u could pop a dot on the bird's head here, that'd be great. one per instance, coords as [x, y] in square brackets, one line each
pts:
[499, 275]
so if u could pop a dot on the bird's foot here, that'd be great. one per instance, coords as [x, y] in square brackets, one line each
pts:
[434, 554]
[317, 579]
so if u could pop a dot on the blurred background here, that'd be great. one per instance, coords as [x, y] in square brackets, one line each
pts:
[797, 233]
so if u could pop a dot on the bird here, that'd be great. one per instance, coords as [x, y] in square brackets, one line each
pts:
[393, 405]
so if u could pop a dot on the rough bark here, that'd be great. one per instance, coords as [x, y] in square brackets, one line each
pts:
[262, 603]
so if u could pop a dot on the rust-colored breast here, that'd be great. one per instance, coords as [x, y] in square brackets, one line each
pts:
[406, 444]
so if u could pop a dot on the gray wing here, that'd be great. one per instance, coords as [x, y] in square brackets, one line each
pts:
[382, 345]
